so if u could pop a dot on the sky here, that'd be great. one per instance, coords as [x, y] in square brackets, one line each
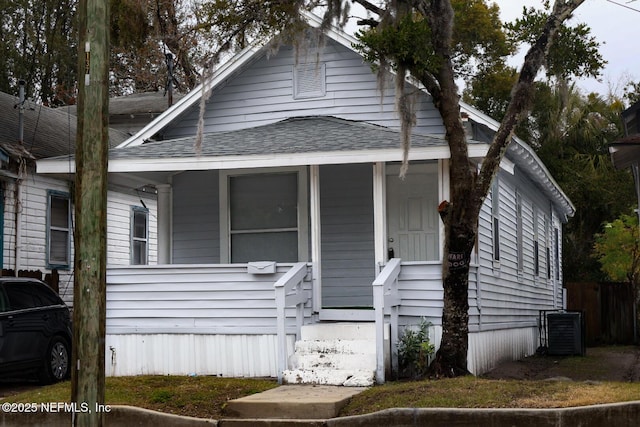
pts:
[615, 24]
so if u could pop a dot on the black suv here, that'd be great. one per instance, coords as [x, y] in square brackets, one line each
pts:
[35, 331]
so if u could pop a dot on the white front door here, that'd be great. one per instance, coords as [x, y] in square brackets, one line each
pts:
[412, 213]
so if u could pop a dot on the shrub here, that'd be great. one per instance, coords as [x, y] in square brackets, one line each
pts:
[414, 351]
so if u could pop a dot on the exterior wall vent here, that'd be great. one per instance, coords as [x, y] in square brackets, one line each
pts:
[309, 80]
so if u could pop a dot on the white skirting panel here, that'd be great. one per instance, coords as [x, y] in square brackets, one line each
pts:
[189, 354]
[488, 348]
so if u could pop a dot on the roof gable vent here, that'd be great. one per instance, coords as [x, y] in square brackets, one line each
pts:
[309, 80]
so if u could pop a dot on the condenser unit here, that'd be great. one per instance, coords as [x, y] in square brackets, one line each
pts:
[566, 334]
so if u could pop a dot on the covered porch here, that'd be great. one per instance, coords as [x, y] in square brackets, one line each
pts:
[226, 320]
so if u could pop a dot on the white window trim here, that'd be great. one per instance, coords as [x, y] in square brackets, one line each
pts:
[303, 208]
[519, 233]
[50, 228]
[536, 241]
[134, 210]
[495, 222]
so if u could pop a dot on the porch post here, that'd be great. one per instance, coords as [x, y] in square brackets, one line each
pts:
[164, 223]
[316, 259]
[379, 215]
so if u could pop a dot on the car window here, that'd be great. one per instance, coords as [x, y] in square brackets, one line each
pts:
[19, 296]
[23, 295]
[4, 306]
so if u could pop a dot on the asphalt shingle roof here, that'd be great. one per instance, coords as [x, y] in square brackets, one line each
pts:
[48, 132]
[294, 135]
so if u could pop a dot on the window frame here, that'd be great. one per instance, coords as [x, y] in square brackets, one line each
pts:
[51, 264]
[302, 208]
[536, 242]
[495, 220]
[519, 233]
[136, 210]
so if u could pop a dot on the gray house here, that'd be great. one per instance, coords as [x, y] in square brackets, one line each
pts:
[287, 244]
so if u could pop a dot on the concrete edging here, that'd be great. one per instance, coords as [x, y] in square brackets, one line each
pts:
[624, 414]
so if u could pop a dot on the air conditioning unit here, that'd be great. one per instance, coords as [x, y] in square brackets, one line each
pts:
[566, 334]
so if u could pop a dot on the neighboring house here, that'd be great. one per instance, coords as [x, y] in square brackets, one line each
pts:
[130, 113]
[625, 153]
[37, 210]
[289, 212]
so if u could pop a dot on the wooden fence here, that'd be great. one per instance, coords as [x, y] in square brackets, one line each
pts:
[52, 279]
[609, 311]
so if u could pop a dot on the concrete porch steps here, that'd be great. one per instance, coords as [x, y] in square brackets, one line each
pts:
[334, 354]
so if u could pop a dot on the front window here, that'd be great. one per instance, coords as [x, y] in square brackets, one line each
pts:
[139, 236]
[58, 230]
[264, 215]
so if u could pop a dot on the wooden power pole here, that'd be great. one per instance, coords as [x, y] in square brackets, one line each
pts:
[92, 149]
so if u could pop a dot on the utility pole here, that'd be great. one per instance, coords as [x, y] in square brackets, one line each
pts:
[92, 149]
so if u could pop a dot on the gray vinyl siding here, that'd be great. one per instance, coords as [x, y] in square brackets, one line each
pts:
[508, 297]
[196, 224]
[348, 260]
[263, 93]
[420, 288]
[119, 206]
[195, 299]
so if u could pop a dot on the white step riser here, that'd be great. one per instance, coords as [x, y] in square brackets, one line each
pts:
[338, 331]
[336, 346]
[334, 361]
[351, 378]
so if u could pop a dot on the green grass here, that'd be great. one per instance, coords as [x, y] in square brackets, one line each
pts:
[206, 397]
[201, 396]
[472, 392]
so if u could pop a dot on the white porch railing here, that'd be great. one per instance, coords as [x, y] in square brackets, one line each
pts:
[289, 292]
[385, 294]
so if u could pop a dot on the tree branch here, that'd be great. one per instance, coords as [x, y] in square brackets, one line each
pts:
[371, 7]
[522, 92]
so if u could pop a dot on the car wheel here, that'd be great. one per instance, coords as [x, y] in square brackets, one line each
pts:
[56, 361]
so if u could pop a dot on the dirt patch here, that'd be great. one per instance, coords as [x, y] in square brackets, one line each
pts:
[599, 364]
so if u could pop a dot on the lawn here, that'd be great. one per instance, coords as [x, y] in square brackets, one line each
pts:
[206, 397]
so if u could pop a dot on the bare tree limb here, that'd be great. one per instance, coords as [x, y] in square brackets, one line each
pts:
[371, 7]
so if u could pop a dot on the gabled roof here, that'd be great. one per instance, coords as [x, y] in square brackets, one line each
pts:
[221, 74]
[252, 147]
[48, 132]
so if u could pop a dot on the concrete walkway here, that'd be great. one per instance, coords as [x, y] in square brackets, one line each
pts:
[294, 402]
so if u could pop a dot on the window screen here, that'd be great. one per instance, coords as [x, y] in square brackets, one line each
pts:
[264, 217]
[59, 230]
[139, 236]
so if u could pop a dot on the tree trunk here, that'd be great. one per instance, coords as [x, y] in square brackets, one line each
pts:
[469, 187]
[451, 358]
